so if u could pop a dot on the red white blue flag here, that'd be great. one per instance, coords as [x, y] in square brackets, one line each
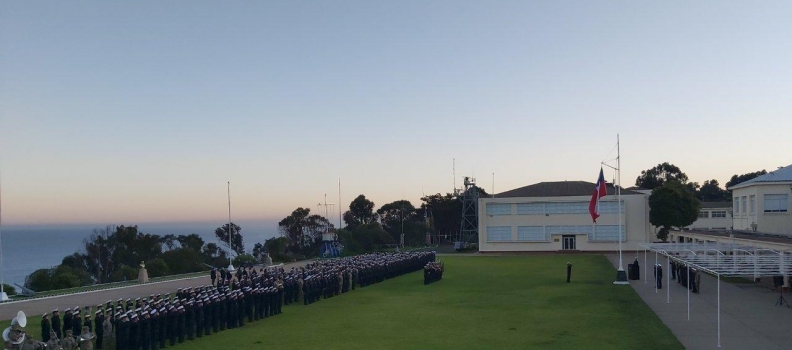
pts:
[599, 191]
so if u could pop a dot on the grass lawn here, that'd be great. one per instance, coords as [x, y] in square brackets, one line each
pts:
[515, 302]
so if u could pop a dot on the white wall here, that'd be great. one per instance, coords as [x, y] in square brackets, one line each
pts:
[713, 223]
[775, 223]
[635, 219]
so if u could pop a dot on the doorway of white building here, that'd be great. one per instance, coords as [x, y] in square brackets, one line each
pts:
[569, 242]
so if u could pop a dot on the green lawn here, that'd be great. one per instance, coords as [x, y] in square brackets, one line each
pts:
[482, 303]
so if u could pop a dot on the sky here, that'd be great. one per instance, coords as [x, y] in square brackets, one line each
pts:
[142, 112]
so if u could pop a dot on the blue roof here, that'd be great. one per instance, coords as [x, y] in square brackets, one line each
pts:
[781, 175]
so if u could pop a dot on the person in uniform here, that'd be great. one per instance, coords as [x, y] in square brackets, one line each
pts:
[213, 276]
[88, 323]
[56, 323]
[46, 328]
[53, 343]
[68, 342]
[86, 339]
[31, 344]
[154, 321]
[67, 318]
[107, 330]
[98, 322]
[76, 323]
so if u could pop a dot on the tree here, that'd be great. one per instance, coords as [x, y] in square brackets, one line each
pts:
[157, 267]
[710, 191]
[169, 241]
[243, 260]
[394, 214]
[258, 250]
[737, 179]
[192, 242]
[236, 237]
[214, 256]
[364, 238]
[361, 212]
[183, 260]
[304, 231]
[672, 205]
[445, 212]
[276, 247]
[401, 216]
[9, 289]
[657, 176]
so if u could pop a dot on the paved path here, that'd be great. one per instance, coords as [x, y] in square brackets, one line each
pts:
[749, 319]
[37, 307]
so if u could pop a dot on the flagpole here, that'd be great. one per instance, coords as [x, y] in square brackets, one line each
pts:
[621, 276]
[230, 230]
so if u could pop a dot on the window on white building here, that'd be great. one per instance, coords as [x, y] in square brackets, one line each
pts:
[532, 234]
[736, 205]
[703, 214]
[744, 204]
[494, 209]
[719, 214]
[776, 203]
[530, 208]
[607, 233]
[566, 208]
[499, 233]
[753, 204]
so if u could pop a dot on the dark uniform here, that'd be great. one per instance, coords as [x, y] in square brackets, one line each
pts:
[56, 323]
[99, 321]
[45, 328]
[67, 319]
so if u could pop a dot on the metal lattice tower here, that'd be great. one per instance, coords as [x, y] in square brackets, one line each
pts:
[469, 197]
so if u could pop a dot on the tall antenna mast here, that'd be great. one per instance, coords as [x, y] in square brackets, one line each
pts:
[453, 171]
[339, 203]
[230, 230]
[3, 296]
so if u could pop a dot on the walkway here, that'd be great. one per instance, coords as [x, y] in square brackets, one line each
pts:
[749, 319]
[38, 306]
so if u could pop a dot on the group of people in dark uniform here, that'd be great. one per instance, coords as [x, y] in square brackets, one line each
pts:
[159, 321]
[687, 276]
[433, 272]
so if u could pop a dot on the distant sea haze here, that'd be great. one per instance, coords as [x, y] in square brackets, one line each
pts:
[26, 249]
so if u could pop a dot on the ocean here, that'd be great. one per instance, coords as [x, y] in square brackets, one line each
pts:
[26, 249]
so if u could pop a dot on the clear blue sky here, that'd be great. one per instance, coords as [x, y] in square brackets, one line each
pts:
[141, 111]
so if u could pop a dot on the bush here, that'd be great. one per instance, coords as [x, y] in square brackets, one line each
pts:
[157, 267]
[125, 273]
[40, 280]
[245, 260]
[9, 289]
[183, 260]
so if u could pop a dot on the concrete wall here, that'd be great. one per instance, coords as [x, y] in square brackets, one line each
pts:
[635, 219]
[713, 223]
[776, 223]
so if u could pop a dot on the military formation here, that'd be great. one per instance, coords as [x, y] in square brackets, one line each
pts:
[433, 272]
[686, 276]
[159, 321]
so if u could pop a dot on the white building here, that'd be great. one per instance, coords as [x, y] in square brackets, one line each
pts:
[763, 204]
[553, 216]
[716, 216]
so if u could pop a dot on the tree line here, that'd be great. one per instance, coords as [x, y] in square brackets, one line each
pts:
[675, 202]
[113, 254]
[367, 229]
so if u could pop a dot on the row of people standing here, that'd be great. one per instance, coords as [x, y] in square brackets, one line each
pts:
[158, 321]
[433, 272]
[686, 276]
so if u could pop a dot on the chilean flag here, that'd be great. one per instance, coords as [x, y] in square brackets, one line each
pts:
[599, 191]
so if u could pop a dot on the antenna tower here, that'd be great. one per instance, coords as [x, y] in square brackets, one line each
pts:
[469, 227]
